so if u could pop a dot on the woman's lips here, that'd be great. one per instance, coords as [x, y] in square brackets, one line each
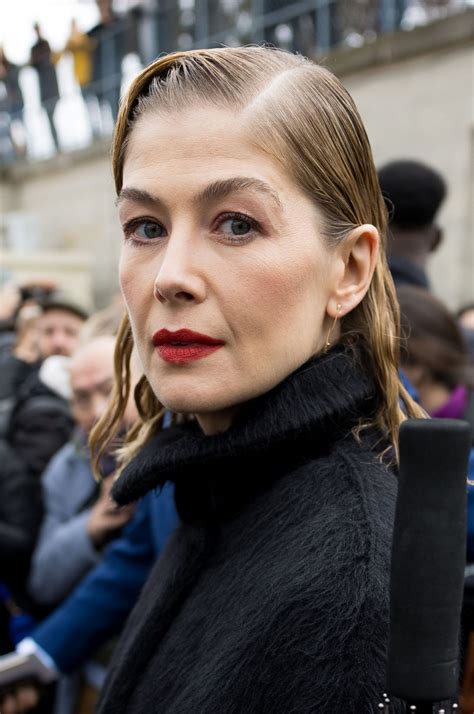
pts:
[181, 354]
[184, 345]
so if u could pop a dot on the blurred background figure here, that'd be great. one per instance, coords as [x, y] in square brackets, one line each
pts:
[10, 303]
[436, 359]
[98, 607]
[21, 363]
[434, 354]
[26, 346]
[108, 43]
[59, 327]
[13, 298]
[12, 103]
[80, 519]
[41, 58]
[465, 316]
[413, 193]
[40, 421]
[81, 47]
[20, 520]
[20, 355]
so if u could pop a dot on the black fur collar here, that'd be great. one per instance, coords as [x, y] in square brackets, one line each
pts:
[324, 397]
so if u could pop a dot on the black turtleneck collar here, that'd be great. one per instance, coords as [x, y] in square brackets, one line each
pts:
[323, 399]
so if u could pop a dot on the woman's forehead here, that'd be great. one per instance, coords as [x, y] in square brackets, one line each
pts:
[214, 160]
[206, 135]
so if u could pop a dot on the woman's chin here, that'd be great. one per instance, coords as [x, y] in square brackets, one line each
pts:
[185, 402]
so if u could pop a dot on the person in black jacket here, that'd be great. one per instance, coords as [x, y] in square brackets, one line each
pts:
[260, 303]
[20, 519]
[20, 364]
[414, 193]
[261, 307]
[40, 421]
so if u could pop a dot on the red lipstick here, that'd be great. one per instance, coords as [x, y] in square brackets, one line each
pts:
[184, 346]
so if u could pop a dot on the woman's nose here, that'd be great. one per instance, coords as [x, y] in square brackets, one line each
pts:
[179, 278]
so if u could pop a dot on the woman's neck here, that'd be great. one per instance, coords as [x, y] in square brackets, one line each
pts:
[216, 422]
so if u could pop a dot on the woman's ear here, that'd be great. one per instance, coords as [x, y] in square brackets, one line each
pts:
[357, 260]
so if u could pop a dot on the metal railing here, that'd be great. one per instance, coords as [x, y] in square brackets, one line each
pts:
[311, 27]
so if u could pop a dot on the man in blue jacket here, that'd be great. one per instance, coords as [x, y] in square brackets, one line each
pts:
[99, 606]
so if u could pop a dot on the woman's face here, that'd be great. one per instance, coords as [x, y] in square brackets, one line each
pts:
[218, 241]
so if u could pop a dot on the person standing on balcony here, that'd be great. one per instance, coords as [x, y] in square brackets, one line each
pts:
[42, 60]
[9, 77]
[81, 48]
[108, 38]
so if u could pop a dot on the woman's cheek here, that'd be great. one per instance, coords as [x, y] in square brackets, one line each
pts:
[136, 280]
[125, 272]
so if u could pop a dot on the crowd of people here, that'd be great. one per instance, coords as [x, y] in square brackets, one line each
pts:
[146, 31]
[97, 57]
[72, 561]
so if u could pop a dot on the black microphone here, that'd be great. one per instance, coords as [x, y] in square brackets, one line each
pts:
[428, 560]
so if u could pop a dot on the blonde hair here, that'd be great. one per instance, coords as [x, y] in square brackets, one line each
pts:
[302, 115]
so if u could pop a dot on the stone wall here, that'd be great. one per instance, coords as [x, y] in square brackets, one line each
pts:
[69, 269]
[72, 199]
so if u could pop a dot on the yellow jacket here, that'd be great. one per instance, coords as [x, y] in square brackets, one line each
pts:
[81, 46]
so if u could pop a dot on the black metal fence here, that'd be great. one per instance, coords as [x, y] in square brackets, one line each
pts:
[307, 26]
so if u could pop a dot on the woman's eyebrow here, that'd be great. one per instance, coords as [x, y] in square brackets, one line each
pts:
[213, 192]
[137, 196]
[224, 187]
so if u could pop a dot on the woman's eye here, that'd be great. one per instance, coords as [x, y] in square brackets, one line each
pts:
[142, 231]
[238, 226]
[149, 229]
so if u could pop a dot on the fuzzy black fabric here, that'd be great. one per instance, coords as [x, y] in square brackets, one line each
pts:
[272, 595]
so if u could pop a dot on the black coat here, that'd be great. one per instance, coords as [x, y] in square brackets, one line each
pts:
[20, 517]
[272, 596]
[13, 372]
[40, 424]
